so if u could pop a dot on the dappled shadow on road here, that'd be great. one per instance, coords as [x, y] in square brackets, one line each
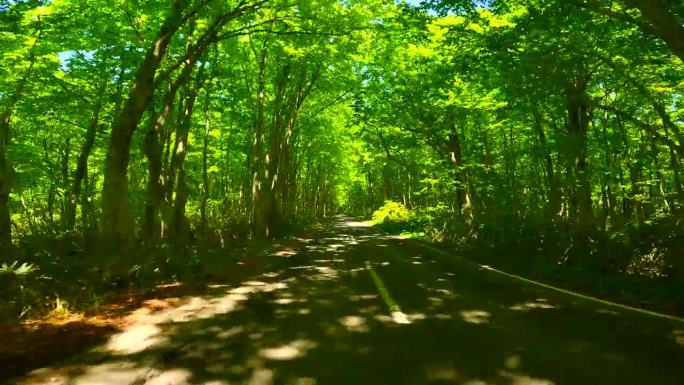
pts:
[32, 345]
[316, 315]
[28, 346]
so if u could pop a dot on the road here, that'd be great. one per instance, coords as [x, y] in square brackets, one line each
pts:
[349, 305]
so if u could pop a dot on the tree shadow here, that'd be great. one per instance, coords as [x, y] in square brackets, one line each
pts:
[26, 348]
[316, 316]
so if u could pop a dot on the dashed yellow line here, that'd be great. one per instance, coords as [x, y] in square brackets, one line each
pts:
[397, 315]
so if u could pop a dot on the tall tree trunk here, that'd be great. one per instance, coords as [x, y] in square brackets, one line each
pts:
[678, 183]
[463, 198]
[52, 190]
[273, 179]
[635, 197]
[205, 172]
[663, 22]
[179, 225]
[554, 199]
[577, 124]
[74, 193]
[157, 183]
[607, 194]
[259, 209]
[578, 120]
[154, 149]
[658, 19]
[154, 146]
[88, 219]
[292, 181]
[117, 224]
[287, 106]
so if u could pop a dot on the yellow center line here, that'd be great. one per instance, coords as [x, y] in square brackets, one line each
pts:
[397, 315]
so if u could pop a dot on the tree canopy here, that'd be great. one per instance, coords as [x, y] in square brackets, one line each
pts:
[546, 126]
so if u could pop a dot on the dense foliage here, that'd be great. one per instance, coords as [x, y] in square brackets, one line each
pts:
[535, 127]
[542, 127]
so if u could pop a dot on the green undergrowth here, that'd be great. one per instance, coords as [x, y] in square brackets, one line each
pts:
[663, 294]
[625, 271]
[69, 272]
[72, 274]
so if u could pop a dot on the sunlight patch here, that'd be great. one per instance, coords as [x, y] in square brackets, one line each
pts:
[435, 302]
[305, 381]
[369, 310]
[117, 373]
[355, 324]
[242, 290]
[476, 317]
[442, 374]
[324, 270]
[285, 253]
[217, 286]
[284, 301]
[539, 303]
[324, 273]
[160, 304]
[400, 318]
[512, 362]
[171, 377]
[363, 297]
[261, 377]
[144, 331]
[255, 336]
[135, 339]
[225, 334]
[355, 224]
[294, 349]
[445, 292]
[304, 267]
[522, 379]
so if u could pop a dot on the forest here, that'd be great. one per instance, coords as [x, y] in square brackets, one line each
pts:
[152, 148]
[151, 142]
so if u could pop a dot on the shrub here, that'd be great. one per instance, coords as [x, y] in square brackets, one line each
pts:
[392, 216]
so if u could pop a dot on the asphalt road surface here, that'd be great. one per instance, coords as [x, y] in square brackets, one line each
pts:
[349, 305]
